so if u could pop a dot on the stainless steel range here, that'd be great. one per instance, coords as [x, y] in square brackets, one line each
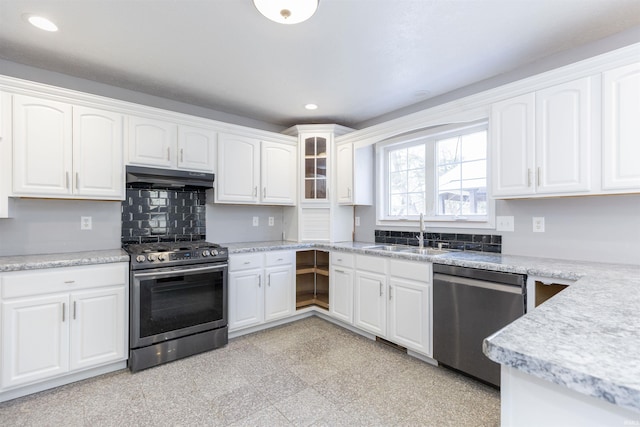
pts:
[178, 301]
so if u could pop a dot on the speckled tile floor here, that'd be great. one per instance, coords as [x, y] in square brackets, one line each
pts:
[307, 373]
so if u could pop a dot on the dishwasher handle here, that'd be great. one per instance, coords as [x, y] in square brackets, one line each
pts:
[457, 280]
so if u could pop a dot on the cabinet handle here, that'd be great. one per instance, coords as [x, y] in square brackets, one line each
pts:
[63, 311]
[380, 288]
[66, 180]
[529, 177]
[339, 271]
[259, 281]
[74, 310]
[181, 155]
[538, 177]
[269, 279]
[264, 192]
[390, 289]
[69, 281]
[169, 153]
[280, 259]
[255, 191]
[247, 262]
[77, 181]
[348, 192]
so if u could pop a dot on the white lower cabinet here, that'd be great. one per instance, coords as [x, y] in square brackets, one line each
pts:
[341, 287]
[62, 320]
[393, 300]
[261, 288]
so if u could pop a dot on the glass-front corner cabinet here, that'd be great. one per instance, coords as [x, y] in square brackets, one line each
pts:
[315, 167]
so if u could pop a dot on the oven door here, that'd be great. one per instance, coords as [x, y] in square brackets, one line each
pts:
[175, 302]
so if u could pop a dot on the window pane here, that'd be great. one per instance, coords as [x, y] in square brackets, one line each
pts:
[415, 181]
[398, 204]
[309, 168]
[398, 182]
[309, 189]
[449, 202]
[398, 160]
[474, 174]
[474, 146]
[416, 204]
[415, 157]
[321, 172]
[449, 150]
[321, 189]
[310, 147]
[321, 147]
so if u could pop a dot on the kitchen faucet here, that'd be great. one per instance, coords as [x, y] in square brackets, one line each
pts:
[420, 236]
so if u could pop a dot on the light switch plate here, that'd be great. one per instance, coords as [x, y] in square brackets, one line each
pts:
[271, 221]
[504, 223]
[357, 221]
[256, 221]
[85, 223]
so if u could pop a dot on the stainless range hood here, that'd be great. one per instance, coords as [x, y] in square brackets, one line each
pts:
[168, 178]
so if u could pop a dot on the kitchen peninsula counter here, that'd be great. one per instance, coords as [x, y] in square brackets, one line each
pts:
[585, 339]
[71, 259]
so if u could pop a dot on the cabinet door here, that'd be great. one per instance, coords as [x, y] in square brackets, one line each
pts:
[513, 146]
[563, 138]
[151, 142]
[279, 292]
[97, 153]
[42, 151]
[621, 127]
[278, 173]
[195, 148]
[370, 303]
[98, 326]
[341, 294]
[35, 339]
[246, 299]
[344, 172]
[410, 314]
[315, 167]
[238, 169]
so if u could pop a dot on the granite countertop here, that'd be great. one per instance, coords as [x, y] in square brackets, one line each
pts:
[71, 259]
[586, 338]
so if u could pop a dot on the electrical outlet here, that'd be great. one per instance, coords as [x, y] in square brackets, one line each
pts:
[271, 221]
[538, 224]
[256, 221]
[85, 223]
[357, 221]
[504, 223]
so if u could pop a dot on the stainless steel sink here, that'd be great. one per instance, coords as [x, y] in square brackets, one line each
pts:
[385, 247]
[426, 251]
[408, 249]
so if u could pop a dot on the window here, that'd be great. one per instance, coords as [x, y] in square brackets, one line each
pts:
[441, 174]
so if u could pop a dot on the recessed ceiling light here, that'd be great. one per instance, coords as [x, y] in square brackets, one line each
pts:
[311, 107]
[42, 23]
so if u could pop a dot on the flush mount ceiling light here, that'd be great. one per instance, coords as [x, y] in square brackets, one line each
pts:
[311, 107]
[41, 22]
[287, 11]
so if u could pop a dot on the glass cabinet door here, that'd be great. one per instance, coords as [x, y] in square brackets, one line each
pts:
[315, 168]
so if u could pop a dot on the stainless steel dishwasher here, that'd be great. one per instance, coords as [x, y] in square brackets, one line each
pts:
[469, 305]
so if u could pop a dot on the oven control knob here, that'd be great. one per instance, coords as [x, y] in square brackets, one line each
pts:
[162, 257]
[151, 257]
[206, 252]
[214, 252]
[140, 258]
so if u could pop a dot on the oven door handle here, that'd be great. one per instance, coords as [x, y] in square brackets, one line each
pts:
[180, 270]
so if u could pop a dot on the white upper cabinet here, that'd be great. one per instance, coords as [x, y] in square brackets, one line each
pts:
[354, 174]
[278, 173]
[315, 151]
[66, 151]
[253, 171]
[541, 142]
[563, 138]
[195, 148]
[152, 142]
[621, 128]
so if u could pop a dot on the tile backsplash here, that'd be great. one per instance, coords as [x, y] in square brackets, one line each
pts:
[159, 215]
[465, 242]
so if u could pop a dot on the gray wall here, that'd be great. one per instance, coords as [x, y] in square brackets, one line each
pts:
[594, 228]
[231, 223]
[41, 226]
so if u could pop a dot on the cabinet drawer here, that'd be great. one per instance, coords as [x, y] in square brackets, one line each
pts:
[245, 262]
[414, 270]
[48, 280]
[371, 263]
[342, 259]
[278, 258]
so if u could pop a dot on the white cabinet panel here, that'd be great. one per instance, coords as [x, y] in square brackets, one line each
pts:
[151, 142]
[621, 128]
[196, 148]
[278, 173]
[344, 172]
[341, 293]
[370, 302]
[410, 314]
[354, 174]
[35, 339]
[42, 151]
[563, 129]
[246, 299]
[98, 153]
[238, 169]
[98, 331]
[278, 293]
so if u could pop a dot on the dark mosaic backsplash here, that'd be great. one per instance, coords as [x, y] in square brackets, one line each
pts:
[158, 215]
[465, 242]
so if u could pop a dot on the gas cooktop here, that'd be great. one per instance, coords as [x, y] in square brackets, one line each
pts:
[167, 254]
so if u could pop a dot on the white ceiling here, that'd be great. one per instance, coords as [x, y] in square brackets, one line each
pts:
[356, 59]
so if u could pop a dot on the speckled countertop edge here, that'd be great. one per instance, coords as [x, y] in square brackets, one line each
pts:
[586, 338]
[70, 259]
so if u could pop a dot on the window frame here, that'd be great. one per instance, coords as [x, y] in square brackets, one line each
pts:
[431, 219]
